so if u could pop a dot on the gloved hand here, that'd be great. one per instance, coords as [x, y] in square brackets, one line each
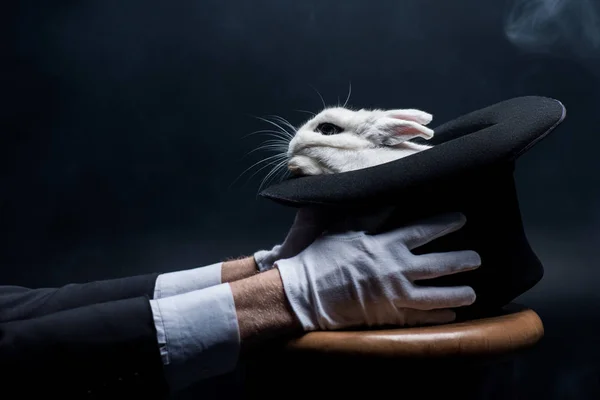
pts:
[308, 224]
[353, 279]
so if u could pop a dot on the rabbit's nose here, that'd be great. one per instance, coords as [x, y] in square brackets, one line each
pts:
[294, 169]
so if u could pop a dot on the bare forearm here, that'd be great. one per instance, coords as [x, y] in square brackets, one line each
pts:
[242, 268]
[202, 331]
[262, 309]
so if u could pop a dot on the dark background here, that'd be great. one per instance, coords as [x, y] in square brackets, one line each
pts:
[123, 124]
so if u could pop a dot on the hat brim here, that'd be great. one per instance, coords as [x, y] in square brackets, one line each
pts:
[492, 136]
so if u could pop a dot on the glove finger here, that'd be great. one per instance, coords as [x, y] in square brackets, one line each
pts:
[426, 230]
[430, 297]
[414, 317]
[435, 265]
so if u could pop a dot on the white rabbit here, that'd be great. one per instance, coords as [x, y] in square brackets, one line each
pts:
[339, 139]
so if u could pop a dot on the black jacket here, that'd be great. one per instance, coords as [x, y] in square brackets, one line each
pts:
[93, 340]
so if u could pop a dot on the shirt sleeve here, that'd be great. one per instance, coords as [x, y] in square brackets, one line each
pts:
[179, 282]
[198, 334]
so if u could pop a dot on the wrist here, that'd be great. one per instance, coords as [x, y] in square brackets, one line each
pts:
[262, 309]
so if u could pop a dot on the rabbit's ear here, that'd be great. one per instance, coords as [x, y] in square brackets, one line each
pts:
[418, 116]
[393, 131]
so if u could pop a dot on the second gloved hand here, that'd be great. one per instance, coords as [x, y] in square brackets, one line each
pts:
[354, 279]
[308, 224]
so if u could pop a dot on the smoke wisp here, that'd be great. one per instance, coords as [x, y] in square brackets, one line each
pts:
[555, 26]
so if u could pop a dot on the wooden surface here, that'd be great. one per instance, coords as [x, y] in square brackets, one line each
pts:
[516, 328]
[470, 360]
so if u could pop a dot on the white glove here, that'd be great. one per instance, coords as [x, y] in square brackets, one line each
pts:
[308, 224]
[354, 279]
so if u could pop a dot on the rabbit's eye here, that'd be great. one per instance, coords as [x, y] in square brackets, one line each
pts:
[327, 128]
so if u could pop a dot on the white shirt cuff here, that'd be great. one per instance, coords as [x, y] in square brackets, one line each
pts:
[198, 334]
[178, 282]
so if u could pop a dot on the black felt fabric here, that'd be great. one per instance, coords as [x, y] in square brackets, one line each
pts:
[470, 169]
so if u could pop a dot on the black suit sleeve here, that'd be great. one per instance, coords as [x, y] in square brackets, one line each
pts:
[22, 303]
[106, 350]
[90, 340]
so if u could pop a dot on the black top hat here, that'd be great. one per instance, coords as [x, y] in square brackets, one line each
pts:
[469, 169]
